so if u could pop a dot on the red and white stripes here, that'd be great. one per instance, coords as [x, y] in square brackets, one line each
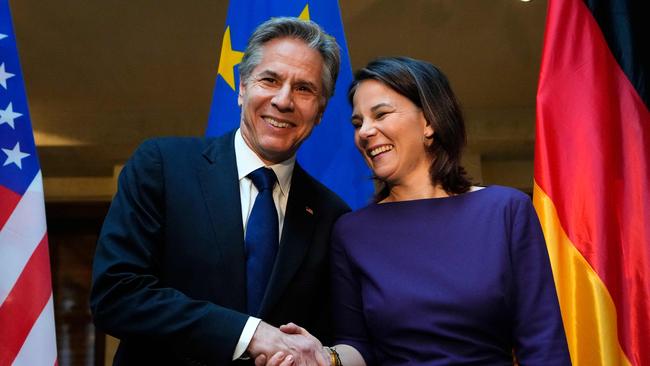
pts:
[27, 335]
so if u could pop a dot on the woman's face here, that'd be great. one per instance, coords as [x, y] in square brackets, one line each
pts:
[390, 131]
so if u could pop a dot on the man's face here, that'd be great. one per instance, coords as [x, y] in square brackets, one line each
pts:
[282, 100]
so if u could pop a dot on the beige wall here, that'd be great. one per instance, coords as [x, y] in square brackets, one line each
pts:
[102, 76]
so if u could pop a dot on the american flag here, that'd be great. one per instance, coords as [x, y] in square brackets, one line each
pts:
[27, 335]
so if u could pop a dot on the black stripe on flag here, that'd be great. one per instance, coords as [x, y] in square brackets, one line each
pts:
[626, 27]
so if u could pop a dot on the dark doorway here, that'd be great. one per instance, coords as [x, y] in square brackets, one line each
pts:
[72, 231]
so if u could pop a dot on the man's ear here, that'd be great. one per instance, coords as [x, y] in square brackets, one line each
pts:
[240, 93]
[319, 117]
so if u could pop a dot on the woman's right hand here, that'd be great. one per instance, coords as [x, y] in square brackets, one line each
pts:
[278, 359]
[321, 358]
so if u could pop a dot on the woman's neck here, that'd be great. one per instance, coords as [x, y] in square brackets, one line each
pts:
[402, 192]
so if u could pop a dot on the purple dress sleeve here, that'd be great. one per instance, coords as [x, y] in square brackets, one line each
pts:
[349, 326]
[537, 328]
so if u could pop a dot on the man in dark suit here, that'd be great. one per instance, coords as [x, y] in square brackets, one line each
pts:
[174, 276]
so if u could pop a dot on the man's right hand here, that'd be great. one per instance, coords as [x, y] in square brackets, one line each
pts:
[299, 348]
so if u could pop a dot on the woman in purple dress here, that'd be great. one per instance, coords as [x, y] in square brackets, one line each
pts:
[435, 271]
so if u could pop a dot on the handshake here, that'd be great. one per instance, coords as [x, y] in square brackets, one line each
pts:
[288, 345]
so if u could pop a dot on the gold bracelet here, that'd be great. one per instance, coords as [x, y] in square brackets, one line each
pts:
[335, 359]
[332, 357]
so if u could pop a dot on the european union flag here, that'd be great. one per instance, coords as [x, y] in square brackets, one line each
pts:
[329, 154]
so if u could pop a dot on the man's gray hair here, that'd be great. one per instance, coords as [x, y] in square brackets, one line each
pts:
[309, 32]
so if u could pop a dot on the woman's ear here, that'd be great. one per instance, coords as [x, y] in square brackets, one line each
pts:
[428, 131]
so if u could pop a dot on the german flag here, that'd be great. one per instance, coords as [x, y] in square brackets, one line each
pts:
[592, 175]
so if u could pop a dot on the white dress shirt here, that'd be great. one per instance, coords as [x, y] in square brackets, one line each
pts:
[247, 161]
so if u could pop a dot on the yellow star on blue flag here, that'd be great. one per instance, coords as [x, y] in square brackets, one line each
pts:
[329, 154]
[229, 58]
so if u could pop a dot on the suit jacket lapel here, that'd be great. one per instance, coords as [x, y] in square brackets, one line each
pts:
[296, 238]
[220, 187]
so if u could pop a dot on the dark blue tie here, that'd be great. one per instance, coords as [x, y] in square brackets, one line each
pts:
[261, 238]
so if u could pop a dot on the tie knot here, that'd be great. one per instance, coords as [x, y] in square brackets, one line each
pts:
[263, 178]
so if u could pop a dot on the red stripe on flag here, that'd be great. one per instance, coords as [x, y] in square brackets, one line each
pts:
[25, 302]
[593, 160]
[8, 202]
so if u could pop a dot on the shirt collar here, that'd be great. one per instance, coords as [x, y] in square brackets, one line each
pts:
[247, 161]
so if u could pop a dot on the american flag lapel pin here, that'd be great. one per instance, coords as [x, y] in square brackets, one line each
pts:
[309, 210]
